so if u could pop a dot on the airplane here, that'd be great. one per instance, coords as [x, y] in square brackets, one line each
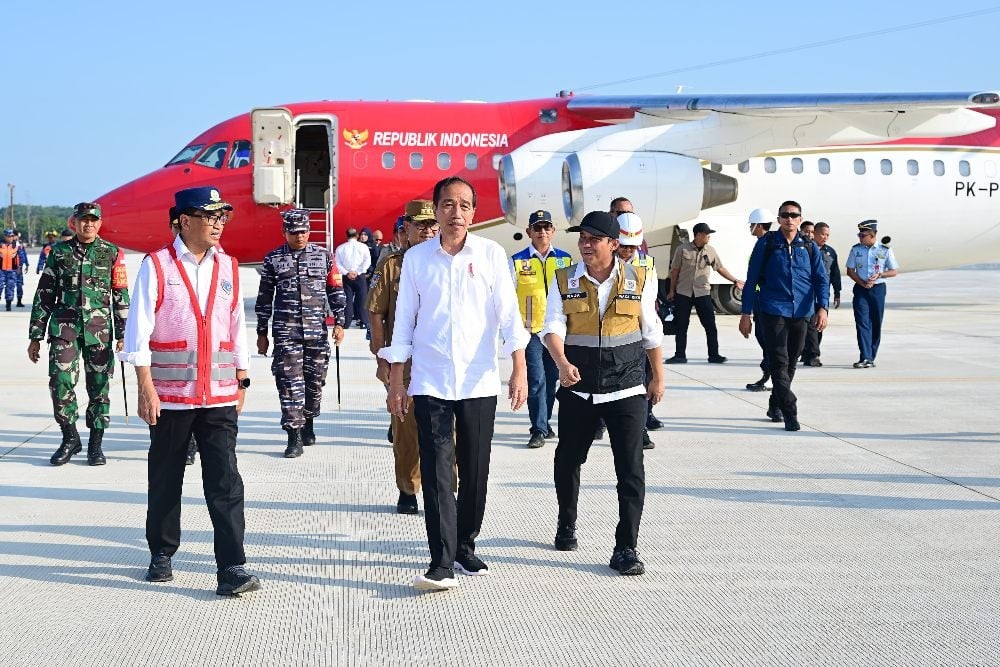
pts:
[924, 164]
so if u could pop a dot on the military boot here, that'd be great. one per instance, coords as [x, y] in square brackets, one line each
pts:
[19, 304]
[294, 448]
[308, 435]
[95, 457]
[70, 445]
[8, 306]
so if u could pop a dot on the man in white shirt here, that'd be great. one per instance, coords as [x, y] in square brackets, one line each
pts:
[455, 294]
[354, 258]
[186, 337]
[600, 327]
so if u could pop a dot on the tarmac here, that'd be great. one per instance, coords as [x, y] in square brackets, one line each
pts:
[867, 538]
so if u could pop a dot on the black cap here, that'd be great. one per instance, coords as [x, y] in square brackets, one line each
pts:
[702, 228]
[598, 223]
[539, 216]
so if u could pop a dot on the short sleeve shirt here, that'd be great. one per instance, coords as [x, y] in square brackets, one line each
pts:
[696, 266]
[385, 289]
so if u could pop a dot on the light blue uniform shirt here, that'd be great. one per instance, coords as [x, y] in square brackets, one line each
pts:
[869, 261]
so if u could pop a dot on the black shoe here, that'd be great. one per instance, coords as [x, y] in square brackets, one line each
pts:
[308, 435]
[676, 360]
[537, 440]
[70, 445]
[599, 432]
[95, 457]
[235, 580]
[626, 561]
[294, 448]
[388, 435]
[719, 359]
[406, 504]
[759, 385]
[19, 304]
[566, 538]
[8, 306]
[774, 414]
[646, 442]
[160, 569]
[192, 450]
[652, 423]
[791, 423]
[551, 434]
[471, 566]
[436, 579]
[864, 363]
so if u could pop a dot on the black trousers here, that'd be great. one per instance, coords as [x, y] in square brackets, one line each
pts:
[784, 337]
[682, 318]
[758, 332]
[452, 527]
[356, 291]
[625, 420]
[813, 339]
[215, 431]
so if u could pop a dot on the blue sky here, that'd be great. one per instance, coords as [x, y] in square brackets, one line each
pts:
[98, 93]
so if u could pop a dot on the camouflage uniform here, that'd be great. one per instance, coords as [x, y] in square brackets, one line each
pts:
[296, 287]
[82, 290]
[19, 276]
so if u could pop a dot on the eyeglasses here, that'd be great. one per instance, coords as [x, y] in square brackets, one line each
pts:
[862, 235]
[212, 220]
[789, 214]
[541, 227]
[425, 224]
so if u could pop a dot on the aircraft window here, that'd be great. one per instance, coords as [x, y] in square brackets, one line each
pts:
[388, 160]
[796, 165]
[912, 167]
[938, 168]
[886, 166]
[744, 167]
[214, 156]
[770, 165]
[187, 154]
[471, 161]
[859, 167]
[496, 162]
[963, 167]
[241, 154]
[824, 165]
[416, 160]
[444, 161]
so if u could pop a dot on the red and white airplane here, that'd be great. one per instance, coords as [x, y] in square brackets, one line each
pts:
[924, 164]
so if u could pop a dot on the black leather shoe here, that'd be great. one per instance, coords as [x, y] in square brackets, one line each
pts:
[676, 360]
[70, 445]
[647, 443]
[774, 414]
[626, 561]
[19, 304]
[551, 434]
[566, 538]
[294, 448]
[718, 360]
[652, 423]
[759, 385]
[537, 440]
[406, 504]
[192, 450]
[308, 435]
[160, 569]
[95, 457]
[235, 580]
[791, 423]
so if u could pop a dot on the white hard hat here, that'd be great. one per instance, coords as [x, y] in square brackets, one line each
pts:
[761, 216]
[631, 229]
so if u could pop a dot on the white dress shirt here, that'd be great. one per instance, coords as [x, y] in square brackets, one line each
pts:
[353, 256]
[448, 313]
[142, 312]
[649, 323]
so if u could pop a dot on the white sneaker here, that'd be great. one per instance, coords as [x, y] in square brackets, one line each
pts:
[435, 579]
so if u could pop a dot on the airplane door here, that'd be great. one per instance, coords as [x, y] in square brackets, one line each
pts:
[273, 155]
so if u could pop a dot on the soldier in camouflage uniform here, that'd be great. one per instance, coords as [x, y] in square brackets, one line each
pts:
[82, 292]
[297, 282]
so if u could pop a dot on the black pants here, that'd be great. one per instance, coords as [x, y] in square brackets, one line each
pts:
[758, 332]
[813, 339]
[625, 419]
[452, 527]
[784, 337]
[682, 317]
[215, 431]
[356, 291]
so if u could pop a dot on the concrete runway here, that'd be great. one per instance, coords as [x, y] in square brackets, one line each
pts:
[867, 538]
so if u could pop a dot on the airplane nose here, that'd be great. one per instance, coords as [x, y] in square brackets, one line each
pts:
[118, 199]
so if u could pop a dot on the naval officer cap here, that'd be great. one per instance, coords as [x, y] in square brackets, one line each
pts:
[868, 226]
[205, 198]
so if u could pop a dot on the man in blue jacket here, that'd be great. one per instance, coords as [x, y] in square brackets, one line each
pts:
[794, 288]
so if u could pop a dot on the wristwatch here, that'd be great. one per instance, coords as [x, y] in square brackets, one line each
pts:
[244, 383]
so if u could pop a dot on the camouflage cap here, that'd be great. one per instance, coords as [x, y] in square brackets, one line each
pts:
[87, 208]
[296, 220]
[51, 232]
[420, 209]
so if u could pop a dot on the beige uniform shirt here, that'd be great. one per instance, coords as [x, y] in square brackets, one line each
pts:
[696, 266]
[382, 296]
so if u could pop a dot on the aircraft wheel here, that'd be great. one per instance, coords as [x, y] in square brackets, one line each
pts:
[728, 299]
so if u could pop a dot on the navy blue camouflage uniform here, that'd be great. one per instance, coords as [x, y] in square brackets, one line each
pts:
[295, 290]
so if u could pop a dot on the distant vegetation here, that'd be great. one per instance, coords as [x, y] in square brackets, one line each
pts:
[42, 218]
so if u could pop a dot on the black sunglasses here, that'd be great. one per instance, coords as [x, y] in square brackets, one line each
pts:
[789, 214]
[541, 227]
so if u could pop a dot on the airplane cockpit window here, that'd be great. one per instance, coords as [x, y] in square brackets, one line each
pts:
[388, 160]
[186, 155]
[859, 167]
[912, 168]
[241, 154]
[471, 161]
[938, 168]
[214, 156]
[824, 165]
[770, 165]
[886, 166]
[444, 161]
[796, 165]
[963, 167]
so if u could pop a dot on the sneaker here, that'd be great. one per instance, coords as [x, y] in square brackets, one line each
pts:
[537, 440]
[471, 566]
[160, 569]
[626, 561]
[235, 580]
[652, 423]
[435, 579]
[566, 538]
[647, 443]
[406, 504]
[676, 360]
[718, 359]
[864, 363]
[551, 434]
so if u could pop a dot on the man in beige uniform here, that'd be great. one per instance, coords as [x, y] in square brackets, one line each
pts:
[690, 271]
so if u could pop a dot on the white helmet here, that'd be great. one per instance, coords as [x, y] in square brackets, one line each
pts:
[631, 229]
[761, 216]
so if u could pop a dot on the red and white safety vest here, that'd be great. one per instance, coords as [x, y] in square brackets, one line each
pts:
[192, 358]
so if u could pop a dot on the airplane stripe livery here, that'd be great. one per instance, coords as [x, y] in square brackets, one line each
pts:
[917, 162]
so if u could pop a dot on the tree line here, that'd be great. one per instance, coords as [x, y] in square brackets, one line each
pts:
[34, 221]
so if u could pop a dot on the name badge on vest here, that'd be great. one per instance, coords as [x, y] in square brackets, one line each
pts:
[227, 287]
[630, 285]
